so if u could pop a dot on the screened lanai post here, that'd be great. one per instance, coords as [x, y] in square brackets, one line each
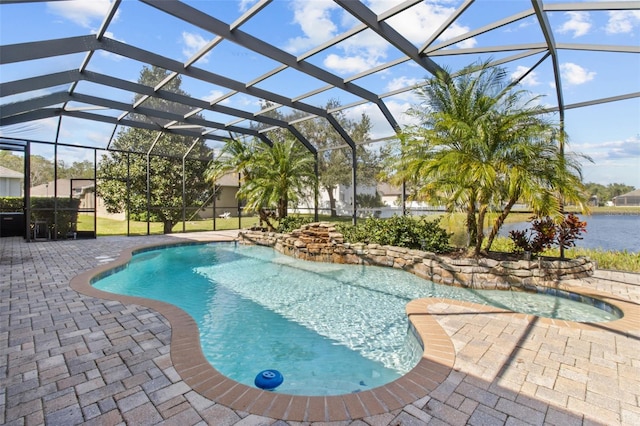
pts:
[184, 185]
[155, 141]
[128, 194]
[239, 203]
[95, 194]
[354, 169]
[345, 136]
[316, 189]
[27, 191]
[404, 198]
[396, 127]
[545, 26]
[148, 192]
[55, 184]
[184, 204]
[561, 147]
[312, 149]
[215, 196]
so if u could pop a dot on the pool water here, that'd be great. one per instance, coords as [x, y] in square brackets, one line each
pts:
[328, 328]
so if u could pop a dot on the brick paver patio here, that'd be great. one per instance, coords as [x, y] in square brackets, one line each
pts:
[67, 358]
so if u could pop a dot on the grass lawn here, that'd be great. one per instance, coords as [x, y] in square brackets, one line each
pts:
[119, 227]
[454, 224]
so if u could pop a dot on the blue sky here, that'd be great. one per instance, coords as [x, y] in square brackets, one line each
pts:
[608, 133]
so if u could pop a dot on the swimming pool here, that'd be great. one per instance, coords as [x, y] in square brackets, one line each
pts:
[329, 328]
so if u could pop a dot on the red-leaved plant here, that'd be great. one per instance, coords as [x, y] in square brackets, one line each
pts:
[544, 234]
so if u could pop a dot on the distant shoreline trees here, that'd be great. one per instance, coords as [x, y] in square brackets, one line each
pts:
[600, 194]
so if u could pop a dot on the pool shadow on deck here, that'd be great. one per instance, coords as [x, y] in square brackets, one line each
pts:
[494, 378]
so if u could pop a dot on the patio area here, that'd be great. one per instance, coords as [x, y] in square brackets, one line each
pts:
[67, 358]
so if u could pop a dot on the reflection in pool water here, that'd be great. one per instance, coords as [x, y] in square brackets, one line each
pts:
[329, 328]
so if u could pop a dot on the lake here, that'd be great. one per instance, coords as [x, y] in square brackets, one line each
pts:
[606, 232]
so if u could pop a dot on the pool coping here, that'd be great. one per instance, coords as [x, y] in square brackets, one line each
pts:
[434, 367]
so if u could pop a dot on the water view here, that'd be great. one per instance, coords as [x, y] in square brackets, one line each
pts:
[605, 232]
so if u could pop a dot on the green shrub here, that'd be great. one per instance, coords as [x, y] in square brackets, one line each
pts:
[399, 231]
[503, 244]
[42, 209]
[11, 204]
[292, 222]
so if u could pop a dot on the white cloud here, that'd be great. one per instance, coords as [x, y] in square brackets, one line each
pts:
[244, 101]
[347, 64]
[110, 35]
[523, 24]
[105, 53]
[624, 149]
[367, 49]
[579, 24]
[244, 5]
[215, 94]
[402, 83]
[361, 52]
[192, 44]
[464, 44]
[380, 127]
[421, 20]
[614, 161]
[529, 80]
[574, 74]
[314, 18]
[623, 21]
[399, 111]
[84, 13]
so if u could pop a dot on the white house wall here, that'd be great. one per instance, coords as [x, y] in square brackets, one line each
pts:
[10, 187]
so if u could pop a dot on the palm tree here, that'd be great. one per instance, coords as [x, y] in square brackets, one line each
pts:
[280, 174]
[480, 143]
[537, 172]
[272, 177]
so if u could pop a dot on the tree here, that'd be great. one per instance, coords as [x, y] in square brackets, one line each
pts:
[615, 189]
[335, 165]
[42, 170]
[11, 161]
[334, 157]
[482, 144]
[123, 175]
[601, 194]
[271, 177]
[369, 200]
[280, 174]
[77, 169]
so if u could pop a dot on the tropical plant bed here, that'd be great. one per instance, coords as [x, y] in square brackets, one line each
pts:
[321, 242]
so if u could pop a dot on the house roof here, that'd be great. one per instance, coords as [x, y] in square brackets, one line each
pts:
[11, 174]
[386, 189]
[634, 193]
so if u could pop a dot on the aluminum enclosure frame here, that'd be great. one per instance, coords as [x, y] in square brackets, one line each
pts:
[61, 88]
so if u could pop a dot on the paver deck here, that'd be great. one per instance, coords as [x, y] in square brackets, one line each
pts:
[67, 357]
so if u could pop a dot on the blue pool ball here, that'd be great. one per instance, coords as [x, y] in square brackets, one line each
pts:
[269, 379]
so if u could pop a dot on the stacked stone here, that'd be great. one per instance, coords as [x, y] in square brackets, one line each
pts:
[320, 242]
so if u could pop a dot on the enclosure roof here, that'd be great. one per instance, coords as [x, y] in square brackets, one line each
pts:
[70, 69]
